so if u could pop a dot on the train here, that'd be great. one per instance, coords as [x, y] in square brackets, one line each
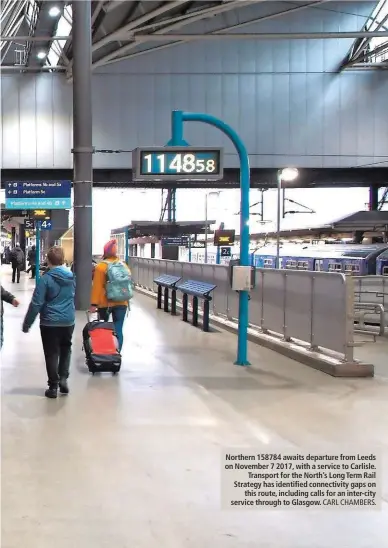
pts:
[352, 259]
[355, 260]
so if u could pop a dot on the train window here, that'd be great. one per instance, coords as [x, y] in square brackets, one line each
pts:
[385, 270]
[303, 265]
[290, 264]
[267, 262]
[335, 267]
[352, 268]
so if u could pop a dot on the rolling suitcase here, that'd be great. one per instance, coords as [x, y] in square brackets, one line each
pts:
[101, 347]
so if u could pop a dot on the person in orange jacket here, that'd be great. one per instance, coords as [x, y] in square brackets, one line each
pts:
[99, 300]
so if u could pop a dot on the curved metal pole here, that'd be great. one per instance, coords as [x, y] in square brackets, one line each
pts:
[178, 118]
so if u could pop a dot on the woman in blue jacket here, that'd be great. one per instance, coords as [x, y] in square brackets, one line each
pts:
[53, 299]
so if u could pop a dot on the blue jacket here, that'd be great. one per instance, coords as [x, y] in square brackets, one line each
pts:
[53, 298]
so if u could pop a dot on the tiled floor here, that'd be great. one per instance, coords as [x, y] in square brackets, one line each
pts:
[134, 461]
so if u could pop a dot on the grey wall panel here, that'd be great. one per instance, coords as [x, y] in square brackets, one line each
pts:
[10, 122]
[44, 123]
[28, 122]
[62, 106]
[308, 119]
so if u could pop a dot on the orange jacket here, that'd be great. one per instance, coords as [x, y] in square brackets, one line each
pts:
[98, 296]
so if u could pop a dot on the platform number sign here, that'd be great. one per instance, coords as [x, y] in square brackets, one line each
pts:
[29, 224]
[45, 225]
[226, 252]
[177, 163]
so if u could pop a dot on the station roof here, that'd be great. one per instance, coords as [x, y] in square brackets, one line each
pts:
[363, 220]
[125, 29]
[164, 228]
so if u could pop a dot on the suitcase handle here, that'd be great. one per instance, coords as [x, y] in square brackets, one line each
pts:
[89, 315]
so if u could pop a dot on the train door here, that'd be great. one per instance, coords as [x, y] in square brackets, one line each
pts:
[318, 265]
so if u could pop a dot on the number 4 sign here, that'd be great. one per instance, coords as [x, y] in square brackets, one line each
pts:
[46, 225]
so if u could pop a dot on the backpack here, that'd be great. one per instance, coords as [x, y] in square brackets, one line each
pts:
[118, 282]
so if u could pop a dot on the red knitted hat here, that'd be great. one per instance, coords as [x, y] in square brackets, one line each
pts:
[109, 247]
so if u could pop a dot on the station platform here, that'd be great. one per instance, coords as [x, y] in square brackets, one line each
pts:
[134, 461]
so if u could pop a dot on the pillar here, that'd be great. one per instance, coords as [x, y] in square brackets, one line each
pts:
[22, 242]
[13, 237]
[373, 198]
[83, 151]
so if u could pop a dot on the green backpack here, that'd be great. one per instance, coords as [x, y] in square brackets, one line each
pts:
[118, 282]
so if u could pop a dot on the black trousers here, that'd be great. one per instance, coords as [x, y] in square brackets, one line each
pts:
[32, 269]
[57, 343]
[16, 273]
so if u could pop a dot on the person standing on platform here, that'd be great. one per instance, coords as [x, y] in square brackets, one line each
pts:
[53, 298]
[112, 289]
[17, 262]
[6, 297]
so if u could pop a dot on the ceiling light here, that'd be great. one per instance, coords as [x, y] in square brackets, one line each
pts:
[41, 55]
[54, 11]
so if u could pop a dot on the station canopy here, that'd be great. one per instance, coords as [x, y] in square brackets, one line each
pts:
[161, 229]
[364, 221]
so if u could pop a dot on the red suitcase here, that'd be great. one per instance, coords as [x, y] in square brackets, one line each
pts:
[101, 347]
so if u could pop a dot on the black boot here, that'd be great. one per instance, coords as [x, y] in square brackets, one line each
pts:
[51, 392]
[63, 386]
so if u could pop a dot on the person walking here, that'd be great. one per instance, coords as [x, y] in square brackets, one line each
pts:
[53, 299]
[6, 297]
[17, 262]
[32, 261]
[112, 289]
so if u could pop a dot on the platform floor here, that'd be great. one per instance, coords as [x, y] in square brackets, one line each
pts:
[134, 461]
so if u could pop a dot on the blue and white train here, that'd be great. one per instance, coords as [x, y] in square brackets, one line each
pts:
[356, 260]
[353, 259]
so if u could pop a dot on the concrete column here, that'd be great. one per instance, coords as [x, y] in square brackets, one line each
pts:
[83, 151]
[373, 198]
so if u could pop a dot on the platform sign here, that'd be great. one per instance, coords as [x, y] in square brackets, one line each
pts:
[177, 163]
[226, 252]
[29, 224]
[45, 225]
[224, 237]
[175, 241]
[38, 194]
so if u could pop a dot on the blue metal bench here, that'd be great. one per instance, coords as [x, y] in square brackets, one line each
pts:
[198, 290]
[167, 282]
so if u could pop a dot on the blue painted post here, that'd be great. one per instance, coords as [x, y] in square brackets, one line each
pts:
[178, 118]
[37, 252]
[127, 246]
[218, 256]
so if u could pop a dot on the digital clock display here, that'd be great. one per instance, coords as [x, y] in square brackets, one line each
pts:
[177, 163]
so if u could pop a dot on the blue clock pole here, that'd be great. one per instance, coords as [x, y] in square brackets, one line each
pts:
[177, 120]
[175, 141]
[37, 251]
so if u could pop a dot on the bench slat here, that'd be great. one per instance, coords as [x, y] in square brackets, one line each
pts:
[196, 288]
[167, 280]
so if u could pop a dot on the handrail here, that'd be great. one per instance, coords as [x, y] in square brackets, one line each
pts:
[372, 307]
